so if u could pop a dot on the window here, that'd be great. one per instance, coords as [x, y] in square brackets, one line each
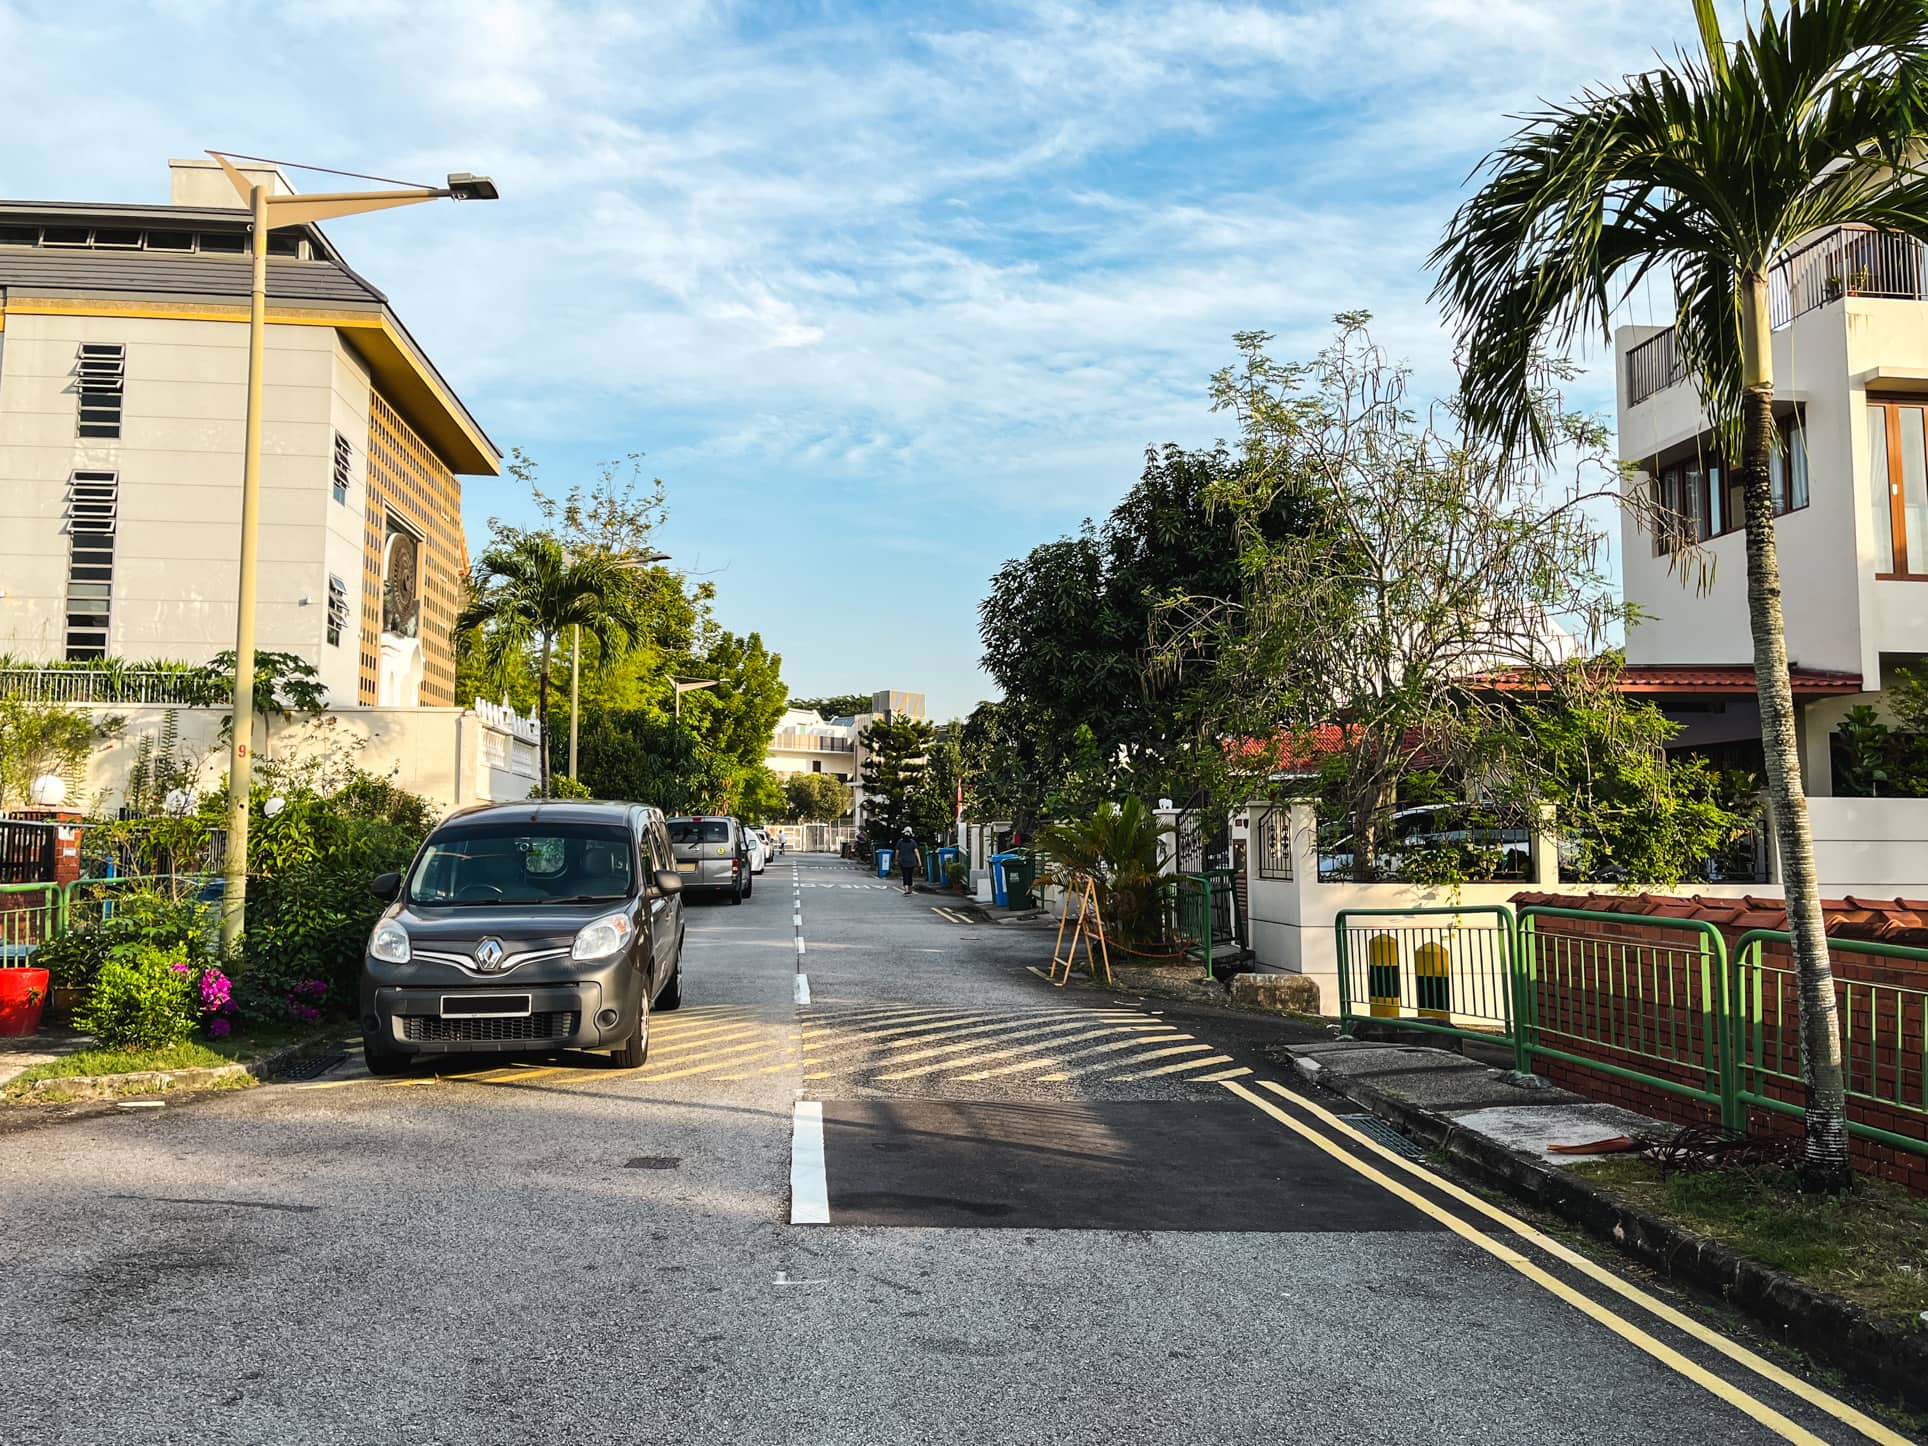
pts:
[100, 370]
[503, 864]
[1898, 480]
[64, 235]
[224, 243]
[342, 459]
[93, 507]
[1702, 497]
[337, 610]
[170, 240]
[19, 235]
[106, 239]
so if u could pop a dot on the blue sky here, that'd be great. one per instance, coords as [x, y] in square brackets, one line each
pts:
[887, 293]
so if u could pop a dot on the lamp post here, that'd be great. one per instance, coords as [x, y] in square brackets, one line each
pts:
[267, 213]
[682, 688]
[633, 564]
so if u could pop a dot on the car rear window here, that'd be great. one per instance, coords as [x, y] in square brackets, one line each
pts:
[522, 863]
[699, 830]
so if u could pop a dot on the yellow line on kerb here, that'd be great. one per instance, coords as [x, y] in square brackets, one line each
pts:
[1735, 1352]
[1733, 1395]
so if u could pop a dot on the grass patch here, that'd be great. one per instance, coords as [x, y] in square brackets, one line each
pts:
[1870, 1245]
[194, 1054]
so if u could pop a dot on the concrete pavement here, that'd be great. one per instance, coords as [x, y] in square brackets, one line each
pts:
[1052, 1217]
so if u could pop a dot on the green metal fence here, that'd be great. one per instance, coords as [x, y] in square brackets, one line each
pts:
[90, 901]
[1884, 1035]
[29, 915]
[1599, 989]
[1654, 1000]
[1446, 969]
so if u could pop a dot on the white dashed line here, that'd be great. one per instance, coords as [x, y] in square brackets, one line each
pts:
[809, 1188]
[803, 989]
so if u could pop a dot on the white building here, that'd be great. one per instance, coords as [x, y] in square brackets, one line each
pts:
[1850, 318]
[123, 368]
[807, 742]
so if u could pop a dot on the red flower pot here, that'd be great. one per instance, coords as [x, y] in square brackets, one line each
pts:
[23, 992]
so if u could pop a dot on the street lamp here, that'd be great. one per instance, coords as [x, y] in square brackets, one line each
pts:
[268, 213]
[633, 564]
[682, 688]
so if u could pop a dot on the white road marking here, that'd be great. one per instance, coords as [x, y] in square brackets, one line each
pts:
[141, 1104]
[803, 989]
[809, 1187]
[799, 946]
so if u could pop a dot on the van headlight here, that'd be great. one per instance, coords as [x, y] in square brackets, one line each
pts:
[601, 937]
[389, 943]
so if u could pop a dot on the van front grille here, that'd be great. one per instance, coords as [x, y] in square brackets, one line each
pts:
[427, 1029]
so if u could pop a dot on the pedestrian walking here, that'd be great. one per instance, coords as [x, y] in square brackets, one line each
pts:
[908, 859]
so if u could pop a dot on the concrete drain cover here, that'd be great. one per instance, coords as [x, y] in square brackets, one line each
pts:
[309, 1066]
[1377, 1129]
[653, 1162]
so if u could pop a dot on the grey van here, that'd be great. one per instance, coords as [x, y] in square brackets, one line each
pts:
[712, 855]
[526, 927]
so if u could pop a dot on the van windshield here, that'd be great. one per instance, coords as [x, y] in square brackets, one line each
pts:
[699, 830]
[523, 863]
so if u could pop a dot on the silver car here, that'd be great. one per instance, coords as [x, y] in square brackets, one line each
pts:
[712, 855]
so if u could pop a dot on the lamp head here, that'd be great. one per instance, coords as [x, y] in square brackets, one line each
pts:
[465, 187]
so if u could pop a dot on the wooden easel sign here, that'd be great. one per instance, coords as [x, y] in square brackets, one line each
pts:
[1090, 925]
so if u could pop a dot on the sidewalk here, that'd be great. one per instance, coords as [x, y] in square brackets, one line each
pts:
[20, 1053]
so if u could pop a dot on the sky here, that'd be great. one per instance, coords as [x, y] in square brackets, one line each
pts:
[886, 294]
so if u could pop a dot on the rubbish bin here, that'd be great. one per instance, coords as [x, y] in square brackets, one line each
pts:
[941, 864]
[883, 862]
[1001, 865]
[1022, 875]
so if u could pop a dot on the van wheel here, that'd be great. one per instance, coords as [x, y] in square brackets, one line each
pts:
[749, 887]
[634, 1051]
[379, 1060]
[736, 892]
[672, 995]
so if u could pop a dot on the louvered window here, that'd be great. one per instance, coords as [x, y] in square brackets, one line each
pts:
[101, 370]
[337, 610]
[93, 506]
[342, 459]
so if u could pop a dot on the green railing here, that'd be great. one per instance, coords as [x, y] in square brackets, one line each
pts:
[1884, 1036]
[1646, 998]
[29, 916]
[1613, 997]
[90, 901]
[1447, 970]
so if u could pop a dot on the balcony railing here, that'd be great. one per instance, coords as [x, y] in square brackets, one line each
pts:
[798, 741]
[180, 687]
[1847, 261]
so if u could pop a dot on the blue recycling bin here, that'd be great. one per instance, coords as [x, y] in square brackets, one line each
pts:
[941, 864]
[883, 862]
[1000, 893]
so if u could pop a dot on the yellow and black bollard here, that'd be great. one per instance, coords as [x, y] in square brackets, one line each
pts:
[1382, 975]
[1432, 981]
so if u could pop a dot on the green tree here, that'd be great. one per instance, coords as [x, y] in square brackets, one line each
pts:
[526, 593]
[893, 775]
[37, 738]
[815, 798]
[639, 755]
[1713, 167]
[836, 705]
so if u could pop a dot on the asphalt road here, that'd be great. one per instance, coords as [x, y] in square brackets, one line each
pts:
[1052, 1217]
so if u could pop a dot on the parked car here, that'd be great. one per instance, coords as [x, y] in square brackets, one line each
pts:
[712, 856]
[759, 850]
[526, 927]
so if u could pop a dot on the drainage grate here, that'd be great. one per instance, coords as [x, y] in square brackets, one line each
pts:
[308, 1066]
[653, 1162]
[1377, 1129]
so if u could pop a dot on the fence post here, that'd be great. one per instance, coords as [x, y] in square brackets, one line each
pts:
[1733, 1113]
[1546, 847]
[1345, 976]
[1521, 965]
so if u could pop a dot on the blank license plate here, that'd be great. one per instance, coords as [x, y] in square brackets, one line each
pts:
[686, 868]
[485, 1006]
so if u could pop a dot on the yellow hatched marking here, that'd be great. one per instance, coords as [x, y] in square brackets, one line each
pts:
[956, 1028]
[1779, 1424]
[1126, 1063]
[1181, 1067]
[1031, 1049]
[897, 1025]
[1008, 1030]
[721, 1056]
[1222, 1076]
[707, 1041]
[650, 1074]
[1152, 1034]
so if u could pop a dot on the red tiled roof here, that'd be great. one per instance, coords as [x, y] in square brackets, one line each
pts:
[1696, 679]
[1883, 921]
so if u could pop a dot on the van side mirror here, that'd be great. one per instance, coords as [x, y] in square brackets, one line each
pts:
[668, 881]
[386, 887]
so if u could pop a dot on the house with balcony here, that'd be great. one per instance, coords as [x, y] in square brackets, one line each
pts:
[806, 742]
[1850, 485]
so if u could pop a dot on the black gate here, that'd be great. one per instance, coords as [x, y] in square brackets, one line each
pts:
[27, 851]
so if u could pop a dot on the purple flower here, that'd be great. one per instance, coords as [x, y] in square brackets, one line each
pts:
[218, 1026]
[216, 990]
[179, 968]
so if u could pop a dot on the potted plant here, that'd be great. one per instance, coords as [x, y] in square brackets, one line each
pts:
[1831, 289]
[23, 994]
[1859, 281]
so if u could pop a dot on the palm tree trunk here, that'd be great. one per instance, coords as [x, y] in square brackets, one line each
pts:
[1824, 1163]
[542, 712]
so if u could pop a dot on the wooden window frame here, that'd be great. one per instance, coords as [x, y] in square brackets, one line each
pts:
[1891, 408]
[1672, 534]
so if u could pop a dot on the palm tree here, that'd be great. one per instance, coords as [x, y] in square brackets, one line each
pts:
[525, 593]
[1712, 167]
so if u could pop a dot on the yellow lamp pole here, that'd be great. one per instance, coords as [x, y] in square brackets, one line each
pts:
[269, 212]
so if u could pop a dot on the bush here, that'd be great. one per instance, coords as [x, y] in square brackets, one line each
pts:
[141, 918]
[144, 996]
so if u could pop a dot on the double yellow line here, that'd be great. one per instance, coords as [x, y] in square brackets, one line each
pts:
[1733, 1395]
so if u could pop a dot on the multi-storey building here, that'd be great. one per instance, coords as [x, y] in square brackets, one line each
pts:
[123, 368]
[805, 742]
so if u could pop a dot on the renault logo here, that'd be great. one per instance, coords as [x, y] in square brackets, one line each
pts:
[488, 954]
